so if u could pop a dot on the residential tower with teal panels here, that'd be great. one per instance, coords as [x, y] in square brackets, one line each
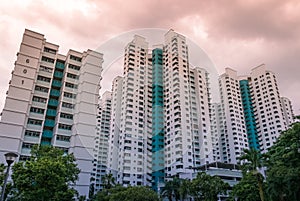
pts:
[158, 135]
[52, 100]
[249, 114]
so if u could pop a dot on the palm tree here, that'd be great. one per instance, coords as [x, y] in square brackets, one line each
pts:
[108, 181]
[168, 190]
[176, 188]
[253, 163]
[184, 189]
[172, 189]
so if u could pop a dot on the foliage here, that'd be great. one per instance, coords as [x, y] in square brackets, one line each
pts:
[2, 173]
[119, 193]
[171, 189]
[176, 188]
[252, 163]
[108, 181]
[46, 176]
[246, 189]
[206, 187]
[283, 166]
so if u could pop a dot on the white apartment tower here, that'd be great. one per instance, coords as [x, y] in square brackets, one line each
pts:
[251, 114]
[287, 110]
[52, 100]
[131, 129]
[101, 140]
[267, 106]
[160, 123]
[187, 124]
[232, 139]
[113, 140]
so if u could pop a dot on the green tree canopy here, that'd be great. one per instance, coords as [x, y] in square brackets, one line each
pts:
[283, 166]
[2, 173]
[46, 176]
[108, 181]
[176, 188]
[252, 162]
[247, 189]
[131, 193]
[206, 187]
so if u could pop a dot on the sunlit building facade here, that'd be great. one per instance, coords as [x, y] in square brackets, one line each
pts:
[52, 100]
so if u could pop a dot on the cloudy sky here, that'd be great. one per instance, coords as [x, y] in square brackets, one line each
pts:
[237, 34]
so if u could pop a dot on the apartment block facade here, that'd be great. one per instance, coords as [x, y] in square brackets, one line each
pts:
[101, 141]
[160, 114]
[52, 100]
[131, 128]
[231, 138]
[251, 114]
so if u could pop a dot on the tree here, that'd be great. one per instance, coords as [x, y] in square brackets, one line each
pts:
[2, 177]
[131, 193]
[135, 193]
[173, 189]
[46, 176]
[2, 173]
[108, 181]
[207, 188]
[246, 189]
[283, 166]
[184, 189]
[253, 161]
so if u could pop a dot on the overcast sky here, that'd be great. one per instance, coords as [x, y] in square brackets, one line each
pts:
[237, 34]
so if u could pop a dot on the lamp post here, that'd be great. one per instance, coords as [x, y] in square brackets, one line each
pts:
[10, 158]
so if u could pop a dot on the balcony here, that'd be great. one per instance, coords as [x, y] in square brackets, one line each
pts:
[47, 133]
[51, 113]
[60, 65]
[55, 93]
[58, 74]
[53, 102]
[56, 83]
[49, 123]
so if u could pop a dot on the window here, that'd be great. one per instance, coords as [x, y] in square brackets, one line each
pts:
[63, 138]
[65, 126]
[72, 76]
[68, 105]
[47, 59]
[44, 79]
[42, 89]
[32, 133]
[39, 99]
[71, 66]
[70, 85]
[35, 122]
[27, 145]
[69, 95]
[49, 50]
[46, 69]
[37, 110]
[75, 58]
[66, 116]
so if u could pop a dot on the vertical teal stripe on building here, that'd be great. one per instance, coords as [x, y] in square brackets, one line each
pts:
[53, 103]
[249, 115]
[157, 120]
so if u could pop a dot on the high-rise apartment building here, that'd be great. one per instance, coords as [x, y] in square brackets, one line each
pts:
[131, 129]
[52, 100]
[267, 106]
[101, 141]
[232, 139]
[160, 114]
[186, 112]
[287, 110]
[251, 112]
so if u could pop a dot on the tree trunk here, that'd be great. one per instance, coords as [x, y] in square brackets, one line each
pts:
[260, 187]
